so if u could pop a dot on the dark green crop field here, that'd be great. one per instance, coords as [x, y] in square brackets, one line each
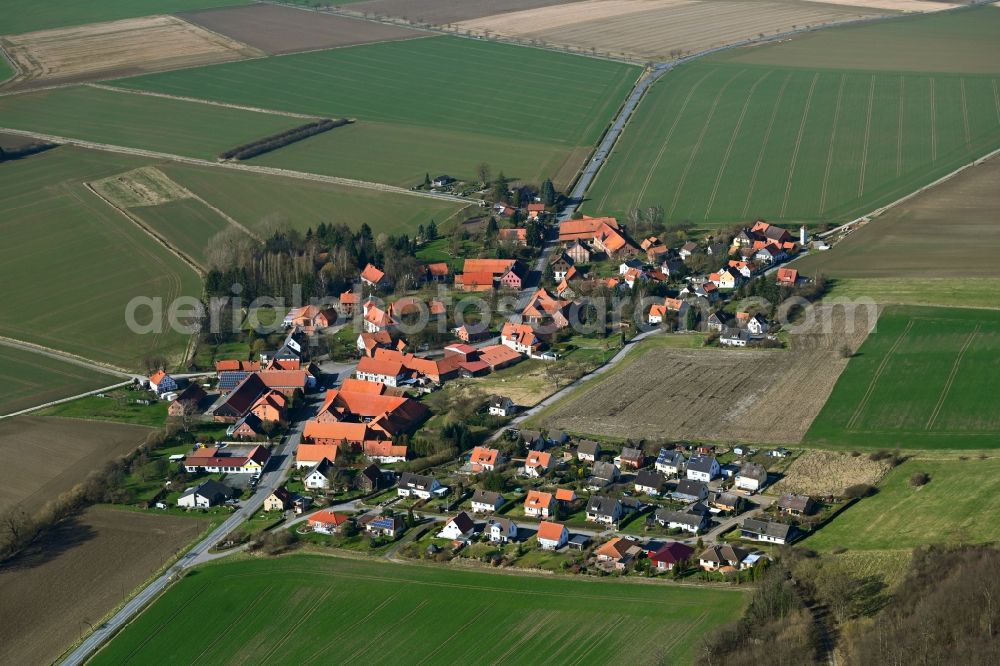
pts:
[730, 137]
[28, 379]
[28, 15]
[924, 379]
[434, 102]
[318, 610]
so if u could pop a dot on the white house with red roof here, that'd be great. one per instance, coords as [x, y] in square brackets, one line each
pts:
[160, 382]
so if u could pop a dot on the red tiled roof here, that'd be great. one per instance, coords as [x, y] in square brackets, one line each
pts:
[550, 531]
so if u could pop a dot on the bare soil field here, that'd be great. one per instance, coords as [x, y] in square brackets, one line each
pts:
[445, 12]
[906, 242]
[276, 30]
[716, 394]
[661, 29]
[820, 473]
[45, 456]
[77, 574]
[115, 49]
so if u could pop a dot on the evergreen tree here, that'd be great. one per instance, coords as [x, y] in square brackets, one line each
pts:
[427, 180]
[501, 190]
[432, 230]
[548, 193]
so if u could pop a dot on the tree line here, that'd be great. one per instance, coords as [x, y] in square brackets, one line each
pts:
[281, 139]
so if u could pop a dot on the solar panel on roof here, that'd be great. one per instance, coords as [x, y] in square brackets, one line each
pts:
[232, 379]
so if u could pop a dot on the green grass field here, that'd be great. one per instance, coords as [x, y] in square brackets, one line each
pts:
[124, 119]
[957, 505]
[258, 201]
[187, 224]
[323, 609]
[72, 263]
[119, 408]
[468, 97]
[727, 139]
[28, 379]
[27, 15]
[6, 71]
[923, 379]
[984, 292]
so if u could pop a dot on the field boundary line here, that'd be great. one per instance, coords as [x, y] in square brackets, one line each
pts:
[965, 112]
[670, 134]
[224, 215]
[64, 356]
[798, 143]
[701, 139]
[194, 265]
[16, 68]
[732, 141]
[763, 145]
[866, 398]
[951, 377]
[933, 123]
[198, 100]
[833, 141]
[899, 128]
[273, 171]
[53, 403]
[868, 133]
[996, 100]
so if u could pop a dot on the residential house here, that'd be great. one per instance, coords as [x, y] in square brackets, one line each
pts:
[373, 277]
[379, 526]
[484, 459]
[376, 319]
[757, 325]
[372, 478]
[588, 450]
[717, 321]
[770, 254]
[766, 531]
[161, 383]
[540, 505]
[497, 357]
[565, 496]
[724, 558]
[521, 338]
[702, 468]
[513, 236]
[216, 460]
[537, 464]
[559, 264]
[657, 313]
[279, 500]
[501, 405]
[734, 337]
[752, 477]
[187, 402]
[536, 210]
[578, 252]
[603, 474]
[486, 501]
[417, 485]
[619, 553]
[724, 502]
[501, 530]
[796, 505]
[788, 276]
[670, 555]
[270, 406]
[249, 426]
[308, 455]
[544, 308]
[320, 477]
[670, 462]
[328, 522]
[458, 527]
[689, 520]
[649, 482]
[605, 510]
[443, 180]
[689, 490]
[208, 494]
[631, 457]
[551, 536]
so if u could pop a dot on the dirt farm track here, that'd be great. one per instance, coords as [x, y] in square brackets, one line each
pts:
[715, 394]
[77, 574]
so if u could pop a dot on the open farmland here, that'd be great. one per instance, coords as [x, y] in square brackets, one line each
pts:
[28, 379]
[724, 139]
[924, 379]
[72, 263]
[443, 12]
[117, 48]
[45, 456]
[277, 29]
[659, 30]
[118, 118]
[949, 231]
[714, 394]
[443, 87]
[28, 15]
[948, 292]
[956, 505]
[100, 556]
[349, 607]
[262, 202]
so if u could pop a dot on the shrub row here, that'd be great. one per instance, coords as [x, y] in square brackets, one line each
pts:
[275, 141]
[25, 150]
